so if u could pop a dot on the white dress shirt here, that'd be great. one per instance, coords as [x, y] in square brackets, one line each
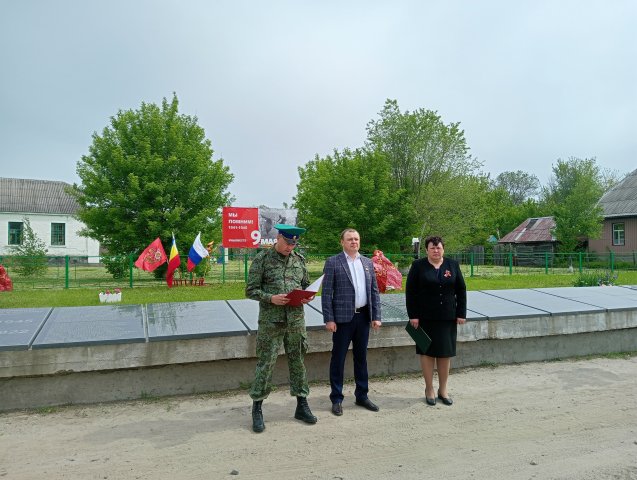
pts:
[358, 278]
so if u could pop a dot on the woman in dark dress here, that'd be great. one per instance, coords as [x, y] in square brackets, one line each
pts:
[436, 298]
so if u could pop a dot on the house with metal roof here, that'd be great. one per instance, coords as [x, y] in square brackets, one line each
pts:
[619, 231]
[50, 212]
[532, 236]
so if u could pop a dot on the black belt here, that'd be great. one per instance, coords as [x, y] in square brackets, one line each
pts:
[361, 309]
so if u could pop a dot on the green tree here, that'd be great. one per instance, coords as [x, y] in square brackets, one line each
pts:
[30, 256]
[430, 161]
[351, 189]
[519, 185]
[572, 196]
[149, 174]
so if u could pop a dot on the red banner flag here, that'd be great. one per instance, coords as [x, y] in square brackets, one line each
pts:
[152, 257]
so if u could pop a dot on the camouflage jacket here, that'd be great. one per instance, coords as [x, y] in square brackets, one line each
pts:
[271, 274]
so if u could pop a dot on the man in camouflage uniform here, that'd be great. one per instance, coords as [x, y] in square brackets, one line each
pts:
[273, 274]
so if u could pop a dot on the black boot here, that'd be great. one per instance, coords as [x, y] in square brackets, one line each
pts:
[303, 411]
[257, 417]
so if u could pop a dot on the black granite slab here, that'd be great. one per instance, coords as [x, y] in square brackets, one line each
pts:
[77, 326]
[181, 320]
[609, 298]
[248, 311]
[543, 301]
[495, 307]
[18, 326]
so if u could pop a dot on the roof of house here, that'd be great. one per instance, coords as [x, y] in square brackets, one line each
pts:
[621, 200]
[19, 195]
[532, 230]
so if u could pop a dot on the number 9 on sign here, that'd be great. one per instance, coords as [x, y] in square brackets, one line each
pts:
[255, 235]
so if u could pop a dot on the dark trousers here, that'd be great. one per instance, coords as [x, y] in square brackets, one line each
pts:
[355, 332]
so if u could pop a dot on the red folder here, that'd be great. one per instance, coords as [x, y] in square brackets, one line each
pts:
[297, 295]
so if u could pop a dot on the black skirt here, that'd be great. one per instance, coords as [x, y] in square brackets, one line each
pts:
[443, 338]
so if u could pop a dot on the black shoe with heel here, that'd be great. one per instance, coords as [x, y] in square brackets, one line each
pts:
[446, 400]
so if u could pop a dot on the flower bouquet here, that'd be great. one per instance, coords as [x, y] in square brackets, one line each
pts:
[109, 297]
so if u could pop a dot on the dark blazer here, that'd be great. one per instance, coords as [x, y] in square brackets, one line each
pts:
[436, 295]
[338, 296]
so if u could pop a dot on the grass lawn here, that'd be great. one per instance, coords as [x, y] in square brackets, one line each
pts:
[235, 290]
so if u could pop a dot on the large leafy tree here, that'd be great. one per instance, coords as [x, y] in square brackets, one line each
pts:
[519, 185]
[149, 174]
[430, 160]
[351, 189]
[572, 196]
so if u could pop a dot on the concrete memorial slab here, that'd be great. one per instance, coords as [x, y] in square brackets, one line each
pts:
[78, 326]
[609, 298]
[314, 317]
[181, 320]
[248, 311]
[495, 307]
[18, 326]
[543, 301]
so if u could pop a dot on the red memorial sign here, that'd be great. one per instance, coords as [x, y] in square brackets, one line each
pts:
[241, 227]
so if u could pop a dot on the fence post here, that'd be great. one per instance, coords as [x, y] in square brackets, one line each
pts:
[546, 263]
[580, 262]
[66, 271]
[612, 262]
[223, 270]
[130, 270]
[510, 263]
[245, 267]
[471, 259]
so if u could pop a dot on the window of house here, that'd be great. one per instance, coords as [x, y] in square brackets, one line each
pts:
[58, 234]
[15, 233]
[618, 234]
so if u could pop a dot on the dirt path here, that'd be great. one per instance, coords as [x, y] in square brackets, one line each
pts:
[559, 420]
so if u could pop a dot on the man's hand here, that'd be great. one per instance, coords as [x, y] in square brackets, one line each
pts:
[280, 299]
[460, 321]
[376, 324]
[307, 300]
[330, 326]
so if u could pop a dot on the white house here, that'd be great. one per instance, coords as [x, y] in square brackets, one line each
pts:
[50, 211]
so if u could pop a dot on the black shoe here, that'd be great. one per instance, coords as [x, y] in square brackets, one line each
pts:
[257, 417]
[303, 411]
[368, 404]
[430, 401]
[445, 400]
[337, 409]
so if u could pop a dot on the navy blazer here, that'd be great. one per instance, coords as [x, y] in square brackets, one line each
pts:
[436, 295]
[338, 296]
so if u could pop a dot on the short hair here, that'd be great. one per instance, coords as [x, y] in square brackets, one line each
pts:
[436, 240]
[347, 230]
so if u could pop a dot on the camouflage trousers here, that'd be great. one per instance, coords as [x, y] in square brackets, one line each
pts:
[269, 339]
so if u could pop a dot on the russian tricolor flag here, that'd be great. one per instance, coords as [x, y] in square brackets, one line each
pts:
[197, 253]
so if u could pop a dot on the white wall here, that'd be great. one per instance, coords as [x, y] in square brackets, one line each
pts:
[41, 225]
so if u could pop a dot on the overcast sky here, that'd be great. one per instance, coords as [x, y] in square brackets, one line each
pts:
[274, 83]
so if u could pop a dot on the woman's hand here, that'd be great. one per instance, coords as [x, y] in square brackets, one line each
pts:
[414, 322]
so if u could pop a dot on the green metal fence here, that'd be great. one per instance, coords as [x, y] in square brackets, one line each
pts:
[77, 272]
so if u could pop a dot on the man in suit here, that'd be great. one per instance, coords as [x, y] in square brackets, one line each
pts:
[350, 302]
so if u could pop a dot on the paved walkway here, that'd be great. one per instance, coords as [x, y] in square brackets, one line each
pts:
[558, 420]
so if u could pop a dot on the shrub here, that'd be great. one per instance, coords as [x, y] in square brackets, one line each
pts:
[595, 279]
[30, 256]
